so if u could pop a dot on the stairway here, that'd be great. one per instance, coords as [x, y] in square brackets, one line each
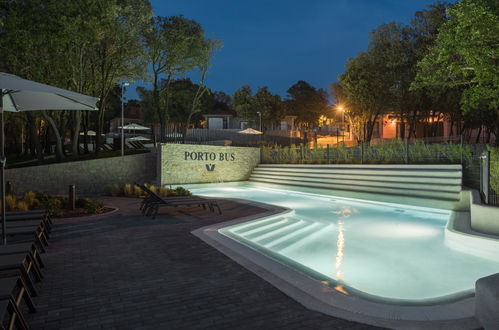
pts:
[436, 182]
[281, 233]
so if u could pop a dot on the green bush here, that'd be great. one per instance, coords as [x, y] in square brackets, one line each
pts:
[494, 169]
[181, 191]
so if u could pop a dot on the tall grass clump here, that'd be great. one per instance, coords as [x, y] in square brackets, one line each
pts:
[10, 202]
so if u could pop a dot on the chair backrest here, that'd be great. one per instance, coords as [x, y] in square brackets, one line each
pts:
[151, 193]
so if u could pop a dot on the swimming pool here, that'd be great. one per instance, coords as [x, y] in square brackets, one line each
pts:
[383, 252]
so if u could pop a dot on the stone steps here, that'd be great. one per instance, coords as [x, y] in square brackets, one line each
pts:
[438, 182]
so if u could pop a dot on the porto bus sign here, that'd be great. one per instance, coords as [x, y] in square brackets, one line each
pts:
[207, 156]
[185, 163]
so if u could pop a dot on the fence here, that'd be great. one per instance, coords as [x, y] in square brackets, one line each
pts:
[489, 178]
[476, 173]
[180, 134]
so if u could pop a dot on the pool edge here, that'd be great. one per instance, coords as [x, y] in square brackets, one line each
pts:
[315, 296]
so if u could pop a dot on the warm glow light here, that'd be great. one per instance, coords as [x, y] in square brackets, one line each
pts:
[340, 108]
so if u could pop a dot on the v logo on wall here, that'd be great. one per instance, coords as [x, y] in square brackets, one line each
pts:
[210, 167]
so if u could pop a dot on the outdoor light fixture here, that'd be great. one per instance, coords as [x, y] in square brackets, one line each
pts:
[340, 108]
[123, 85]
[260, 117]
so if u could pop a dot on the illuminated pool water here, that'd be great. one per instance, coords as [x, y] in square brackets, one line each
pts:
[383, 251]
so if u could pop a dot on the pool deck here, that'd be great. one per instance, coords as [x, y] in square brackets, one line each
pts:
[123, 270]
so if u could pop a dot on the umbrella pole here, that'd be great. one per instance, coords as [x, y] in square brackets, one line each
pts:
[2, 172]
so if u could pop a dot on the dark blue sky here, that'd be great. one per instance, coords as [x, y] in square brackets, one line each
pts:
[278, 42]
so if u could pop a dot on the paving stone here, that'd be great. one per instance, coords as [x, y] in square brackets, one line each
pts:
[126, 271]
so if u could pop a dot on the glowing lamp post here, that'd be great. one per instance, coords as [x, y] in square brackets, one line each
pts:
[123, 85]
[340, 108]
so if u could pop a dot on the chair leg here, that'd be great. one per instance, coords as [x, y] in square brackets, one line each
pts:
[32, 265]
[17, 318]
[36, 256]
[155, 213]
[24, 294]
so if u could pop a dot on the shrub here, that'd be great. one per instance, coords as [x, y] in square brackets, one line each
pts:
[181, 191]
[53, 206]
[22, 206]
[10, 202]
[92, 206]
[30, 199]
[137, 191]
[127, 190]
[494, 169]
[163, 192]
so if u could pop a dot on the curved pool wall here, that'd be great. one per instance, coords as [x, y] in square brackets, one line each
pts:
[450, 293]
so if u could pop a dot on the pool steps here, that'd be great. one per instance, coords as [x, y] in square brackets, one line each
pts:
[436, 182]
[278, 234]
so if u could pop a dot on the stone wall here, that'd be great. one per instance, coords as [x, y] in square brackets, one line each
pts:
[184, 163]
[89, 176]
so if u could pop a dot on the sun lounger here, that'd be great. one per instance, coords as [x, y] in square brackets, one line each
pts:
[154, 202]
[31, 215]
[8, 308]
[20, 264]
[15, 288]
[18, 248]
[25, 235]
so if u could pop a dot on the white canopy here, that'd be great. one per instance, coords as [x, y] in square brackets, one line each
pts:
[250, 131]
[89, 133]
[25, 95]
[138, 138]
[135, 127]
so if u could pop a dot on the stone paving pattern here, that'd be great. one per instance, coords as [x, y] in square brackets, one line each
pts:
[126, 271]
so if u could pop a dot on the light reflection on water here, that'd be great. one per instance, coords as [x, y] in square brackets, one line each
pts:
[372, 247]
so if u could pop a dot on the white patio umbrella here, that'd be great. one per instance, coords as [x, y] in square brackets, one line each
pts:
[19, 94]
[135, 127]
[89, 133]
[138, 138]
[249, 131]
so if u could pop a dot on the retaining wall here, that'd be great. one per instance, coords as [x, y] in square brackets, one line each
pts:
[89, 176]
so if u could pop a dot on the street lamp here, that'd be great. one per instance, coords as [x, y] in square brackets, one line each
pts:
[123, 85]
[260, 117]
[340, 108]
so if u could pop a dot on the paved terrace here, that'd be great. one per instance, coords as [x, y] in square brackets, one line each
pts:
[126, 271]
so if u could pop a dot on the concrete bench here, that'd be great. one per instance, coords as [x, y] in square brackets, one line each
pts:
[487, 301]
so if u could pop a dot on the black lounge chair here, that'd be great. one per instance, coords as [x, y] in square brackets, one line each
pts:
[20, 265]
[19, 248]
[17, 232]
[31, 215]
[11, 311]
[151, 204]
[13, 290]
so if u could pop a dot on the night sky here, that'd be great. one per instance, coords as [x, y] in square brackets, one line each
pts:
[278, 42]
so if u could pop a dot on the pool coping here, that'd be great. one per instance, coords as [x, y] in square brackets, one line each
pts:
[319, 297]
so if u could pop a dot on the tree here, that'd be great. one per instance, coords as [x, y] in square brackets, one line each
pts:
[465, 55]
[269, 105]
[87, 46]
[173, 47]
[206, 50]
[306, 102]
[242, 102]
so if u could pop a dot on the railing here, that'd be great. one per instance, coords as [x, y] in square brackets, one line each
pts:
[489, 179]
[179, 134]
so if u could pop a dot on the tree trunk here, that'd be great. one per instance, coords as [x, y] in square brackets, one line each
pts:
[76, 133]
[35, 139]
[58, 147]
